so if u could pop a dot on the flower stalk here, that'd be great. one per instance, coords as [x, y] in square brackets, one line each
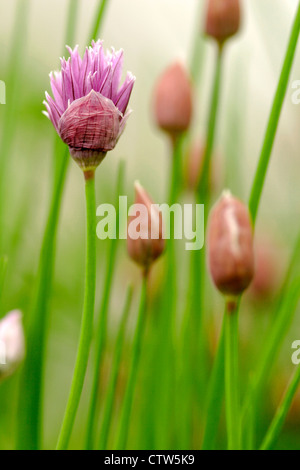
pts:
[231, 375]
[283, 409]
[202, 197]
[88, 315]
[215, 394]
[111, 389]
[101, 332]
[72, 17]
[13, 93]
[29, 434]
[211, 129]
[31, 389]
[134, 368]
[99, 17]
[254, 201]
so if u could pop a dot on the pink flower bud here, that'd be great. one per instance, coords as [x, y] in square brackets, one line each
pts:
[90, 127]
[230, 246]
[145, 242]
[12, 343]
[173, 100]
[223, 19]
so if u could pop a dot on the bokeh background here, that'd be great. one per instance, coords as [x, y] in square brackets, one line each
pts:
[153, 33]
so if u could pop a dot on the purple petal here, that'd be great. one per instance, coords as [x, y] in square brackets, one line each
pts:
[124, 93]
[56, 86]
[117, 72]
[106, 85]
[53, 112]
[75, 65]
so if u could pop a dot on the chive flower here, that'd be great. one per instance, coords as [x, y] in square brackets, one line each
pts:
[89, 107]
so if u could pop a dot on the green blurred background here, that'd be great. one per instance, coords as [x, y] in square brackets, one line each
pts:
[153, 33]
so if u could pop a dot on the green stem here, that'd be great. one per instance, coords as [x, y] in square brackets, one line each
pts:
[176, 178]
[293, 266]
[87, 318]
[31, 387]
[283, 317]
[72, 16]
[3, 269]
[282, 322]
[198, 49]
[30, 395]
[197, 57]
[197, 268]
[98, 20]
[13, 98]
[235, 126]
[133, 372]
[111, 389]
[231, 376]
[278, 421]
[285, 312]
[265, 155]
[102, 324]
[174, 193]
[167, 327]
[211, 130]
[215, 394]
[198, 257]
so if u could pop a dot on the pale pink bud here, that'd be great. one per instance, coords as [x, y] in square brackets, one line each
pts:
[223, 19]
[145, 242]
[12, 343]
[90, 127]
[173, 100]
[230, 246]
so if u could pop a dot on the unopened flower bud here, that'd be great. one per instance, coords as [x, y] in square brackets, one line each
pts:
[230, 246]
[223, 19]
[173, 100]
[12, 343]
[145, 242]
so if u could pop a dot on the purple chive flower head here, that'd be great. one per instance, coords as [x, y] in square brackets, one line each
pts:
[89, 108]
